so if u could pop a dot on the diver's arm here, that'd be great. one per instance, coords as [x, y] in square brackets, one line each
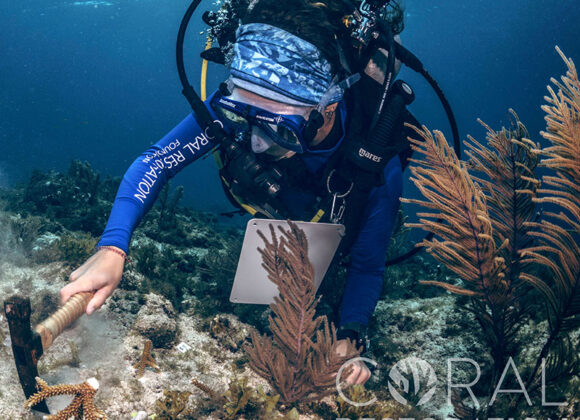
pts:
[139, 188]
[145, 178]
[365, 273]
[368, 253]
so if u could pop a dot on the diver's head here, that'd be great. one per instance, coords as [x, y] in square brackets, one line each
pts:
[284, 90]
[287, 54]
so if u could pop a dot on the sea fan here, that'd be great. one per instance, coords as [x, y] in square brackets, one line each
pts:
[479, 225]
[505, 172]
[559, 231]
[300, 361]
[461, 221]
[486, 228]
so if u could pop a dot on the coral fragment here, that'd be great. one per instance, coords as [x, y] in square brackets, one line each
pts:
[146, 360]
[81, 407]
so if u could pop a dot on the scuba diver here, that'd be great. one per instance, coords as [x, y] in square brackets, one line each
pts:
[308, 126]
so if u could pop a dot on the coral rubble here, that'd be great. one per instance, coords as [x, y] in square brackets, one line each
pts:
[156, 321]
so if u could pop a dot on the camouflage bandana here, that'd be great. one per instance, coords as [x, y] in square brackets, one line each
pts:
[279, 61]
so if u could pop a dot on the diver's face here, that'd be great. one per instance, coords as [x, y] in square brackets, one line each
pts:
[260, 141]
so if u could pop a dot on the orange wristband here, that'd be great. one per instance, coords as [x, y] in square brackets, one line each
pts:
[115, 250]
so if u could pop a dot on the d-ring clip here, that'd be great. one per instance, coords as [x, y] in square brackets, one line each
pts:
[336, 194]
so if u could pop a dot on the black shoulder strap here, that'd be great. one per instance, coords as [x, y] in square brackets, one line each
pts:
[362, 181]
[341, 173]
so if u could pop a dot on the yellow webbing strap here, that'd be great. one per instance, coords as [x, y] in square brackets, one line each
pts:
[204, 63]
[317, 216]
[216, 154]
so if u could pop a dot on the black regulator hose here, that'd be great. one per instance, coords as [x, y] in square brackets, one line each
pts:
[190, 94]
[387, 41]
[411, 61]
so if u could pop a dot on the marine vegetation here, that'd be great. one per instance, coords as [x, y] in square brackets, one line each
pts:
[78, 200]
[242, 399]
[167, 271]
[377, 410]
[167, 206]
[482, 224]
[74, 249]
[483, 213]
[81, 407]
[170, 223]
[217, 270]
[299, 360]
[146, 360]
[239, 397]
[172, 405]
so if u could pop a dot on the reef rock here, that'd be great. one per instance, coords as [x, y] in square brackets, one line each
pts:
[430, 331]
[157, 321]
[229, 331]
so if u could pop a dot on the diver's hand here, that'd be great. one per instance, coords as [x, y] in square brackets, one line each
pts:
[100, 273]
[360, 372]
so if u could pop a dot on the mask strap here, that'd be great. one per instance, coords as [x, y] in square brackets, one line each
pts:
[315, 119]
[226, 88]
[336, 87]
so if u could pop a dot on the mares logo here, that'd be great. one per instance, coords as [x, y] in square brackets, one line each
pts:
[368, 155]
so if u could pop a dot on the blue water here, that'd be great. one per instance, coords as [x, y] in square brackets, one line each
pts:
[96, 80]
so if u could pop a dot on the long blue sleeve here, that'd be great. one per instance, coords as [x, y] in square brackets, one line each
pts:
[146, 177]
[186, 143]
[368, 254]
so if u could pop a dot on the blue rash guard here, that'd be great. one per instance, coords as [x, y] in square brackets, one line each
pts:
[187, 142]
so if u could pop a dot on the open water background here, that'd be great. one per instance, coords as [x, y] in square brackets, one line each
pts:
[96, 80]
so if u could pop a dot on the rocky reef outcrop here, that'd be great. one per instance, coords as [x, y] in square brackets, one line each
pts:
[157, 321]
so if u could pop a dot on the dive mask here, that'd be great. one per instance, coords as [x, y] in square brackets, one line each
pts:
[283, 124]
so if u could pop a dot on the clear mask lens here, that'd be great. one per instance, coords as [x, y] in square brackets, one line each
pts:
[233, 117]
[260, 140]
[263, 144]
[287, 134]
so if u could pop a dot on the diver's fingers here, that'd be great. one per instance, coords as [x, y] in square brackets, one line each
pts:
[100, 296]
[75, 287]
[364, 375]
[359, 375]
